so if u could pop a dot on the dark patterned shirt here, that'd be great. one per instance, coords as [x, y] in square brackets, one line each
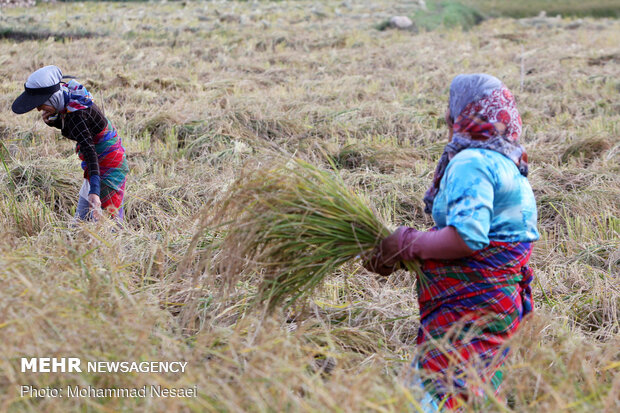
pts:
[81, 126]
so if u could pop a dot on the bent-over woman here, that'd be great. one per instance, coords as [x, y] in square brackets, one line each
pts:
[70, 108]
[476, 285]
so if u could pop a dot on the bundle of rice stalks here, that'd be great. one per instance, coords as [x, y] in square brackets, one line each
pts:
[380, 157]
[56, 182]
[293, 225]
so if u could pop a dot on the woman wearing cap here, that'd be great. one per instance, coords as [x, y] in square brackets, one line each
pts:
[70, 108]
[475, 290]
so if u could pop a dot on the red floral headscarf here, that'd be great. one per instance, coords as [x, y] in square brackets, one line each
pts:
[486, 117]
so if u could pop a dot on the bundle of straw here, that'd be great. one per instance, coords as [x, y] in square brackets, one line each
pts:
[294, 225]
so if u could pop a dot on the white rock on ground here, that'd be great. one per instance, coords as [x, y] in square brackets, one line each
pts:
[17, 3]
[401, 22]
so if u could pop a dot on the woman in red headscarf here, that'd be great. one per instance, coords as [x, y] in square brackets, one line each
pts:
[475, 290]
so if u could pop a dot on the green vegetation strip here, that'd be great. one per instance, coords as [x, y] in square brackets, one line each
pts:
[525, 8]
[468, 13]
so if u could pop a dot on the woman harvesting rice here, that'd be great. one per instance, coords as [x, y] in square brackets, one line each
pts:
[476, 287]
[70, 108]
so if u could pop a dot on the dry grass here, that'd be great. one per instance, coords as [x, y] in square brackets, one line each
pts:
[198, 90]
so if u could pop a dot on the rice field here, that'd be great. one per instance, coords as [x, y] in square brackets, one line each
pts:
[206, 93]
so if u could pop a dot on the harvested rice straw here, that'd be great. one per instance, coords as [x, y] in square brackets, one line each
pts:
[294, 225]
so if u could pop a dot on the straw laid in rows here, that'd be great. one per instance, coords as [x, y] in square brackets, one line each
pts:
[294, 225]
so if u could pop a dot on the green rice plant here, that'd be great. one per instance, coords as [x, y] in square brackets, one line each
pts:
[297, 223]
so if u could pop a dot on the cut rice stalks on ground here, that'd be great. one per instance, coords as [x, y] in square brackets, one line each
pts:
[293, 225]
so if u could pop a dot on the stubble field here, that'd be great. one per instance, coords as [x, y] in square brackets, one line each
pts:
[201, 92]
